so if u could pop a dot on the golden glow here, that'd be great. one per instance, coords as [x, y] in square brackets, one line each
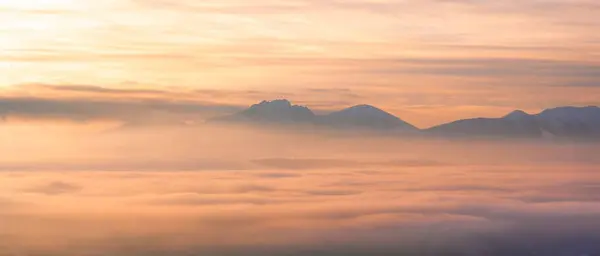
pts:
[388, 47]
[95, 159]
[37, 4]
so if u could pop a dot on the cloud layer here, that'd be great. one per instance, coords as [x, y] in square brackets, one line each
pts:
[213, 195]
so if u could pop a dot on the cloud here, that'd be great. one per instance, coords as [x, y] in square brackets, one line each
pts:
[243, 188]
[199, 200]
[6, 202]
[422, 210]
[295, 164]
[136, 105]
[333, 192]
[583, 192]
[87, 110]
[55, 188]
[497, 67]
[461, 188]
[510, 68]
[327, 163]
[97, 89]
[278, 175]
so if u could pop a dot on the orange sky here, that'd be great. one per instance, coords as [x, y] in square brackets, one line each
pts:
[427, 61]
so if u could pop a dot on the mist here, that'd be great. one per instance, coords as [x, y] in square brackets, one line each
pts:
[104, 189]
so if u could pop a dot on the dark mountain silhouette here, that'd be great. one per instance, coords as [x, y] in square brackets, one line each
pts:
[515, 124]
[562, 122]
[284, 112]
[571, 121]
[517, 115]
[269, 112]
[364, 116]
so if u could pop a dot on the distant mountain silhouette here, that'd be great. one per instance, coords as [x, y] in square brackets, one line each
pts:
[562, 122]
[284, 112]
[269, 112]
[571, 121]
[515, 124]
[517, 115]
[364, 116]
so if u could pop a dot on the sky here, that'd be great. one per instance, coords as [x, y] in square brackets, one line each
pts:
[427, 61]
[95, 77]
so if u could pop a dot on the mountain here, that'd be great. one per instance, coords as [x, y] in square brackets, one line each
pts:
[563, 122]
[515, 124]
[571, 121]
[517, 115]
[269, 112]
[364, 116]
[284, 112]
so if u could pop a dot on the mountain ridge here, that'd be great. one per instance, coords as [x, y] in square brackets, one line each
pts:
[282, 111]
[567, 121]
[558, 122]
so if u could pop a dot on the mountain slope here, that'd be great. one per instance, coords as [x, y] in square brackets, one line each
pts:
[284, 112]
[508, 126]
[364, 116]
[516, 124]
[571, 121]
[563, 122]
[276, 111]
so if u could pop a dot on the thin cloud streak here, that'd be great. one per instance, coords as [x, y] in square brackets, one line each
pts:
[423, 105]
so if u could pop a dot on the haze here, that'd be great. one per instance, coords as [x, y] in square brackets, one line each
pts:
[235, 190]
[299, 127]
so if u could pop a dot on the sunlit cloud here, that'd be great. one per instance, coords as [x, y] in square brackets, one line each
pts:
[392, 46]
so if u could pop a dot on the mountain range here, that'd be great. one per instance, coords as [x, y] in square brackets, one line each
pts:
[283, 112]
[561, 122]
